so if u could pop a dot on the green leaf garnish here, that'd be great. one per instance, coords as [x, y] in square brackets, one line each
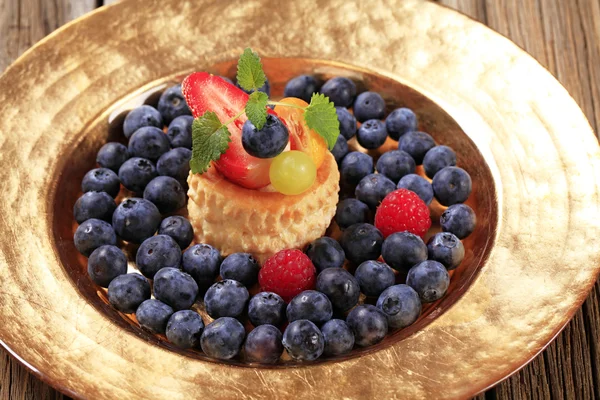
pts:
[320, 116]
[250, 74]
[256, 109]
[210, 139]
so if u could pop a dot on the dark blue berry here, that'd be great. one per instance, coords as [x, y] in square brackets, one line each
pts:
[451, 185]
[92, 234]
[154, 315]
[112, 155]
[264, 345]
[241, 267]
[361, 242]
[437, 158]
[135, 220]
[202, 262]
[371, 134]
[355, 166]
[401, 305]
[340, 90]
[226, 298]
[302, 87]
[99, 205]
[338, 336]
[175, 288]
[105, 264]
[101, 180]
[373, 188]
[369, 105]
[311, 305]
[179, 228]
[447, 249]
[368, 324]
[266, 308]
[303, 340]
[127, 292]
[140, 117]
[172, 104]
[399, 122]
[136, 172]
[148, 142]
[267, 142]
[347, 122]
[179, 133]
[223, 338]
[403, 250]
[184, 329]
[175, 163]
[374, 277]
[416, 144]
[429, 279]
[350, 212]
[325, 252]
[459, 219]
[419, 185]
[340, 287]
[166, 193]
[157, 252]
[340, 149]
[266, 88]
[395, 164]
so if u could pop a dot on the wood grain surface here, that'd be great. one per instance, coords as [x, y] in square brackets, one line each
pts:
[564, 36]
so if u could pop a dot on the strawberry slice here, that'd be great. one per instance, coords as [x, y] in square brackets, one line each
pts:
[205, 92]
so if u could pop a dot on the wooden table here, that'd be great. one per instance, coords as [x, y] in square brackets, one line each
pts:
[564, 35]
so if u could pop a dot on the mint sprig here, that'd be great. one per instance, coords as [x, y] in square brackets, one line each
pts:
[210, 139]
[250, 74]
[256, 109]
[321, 117]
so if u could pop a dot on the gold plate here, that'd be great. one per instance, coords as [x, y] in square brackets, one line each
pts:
[533, 155]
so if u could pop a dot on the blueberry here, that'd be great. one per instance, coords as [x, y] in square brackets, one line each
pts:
[416, 144]
[185, 328]
[157, 252]
[419, 185]
[179, 228]
[302, 87]
[92, 234]
[172, 104]
[180, 132]
[112, 155]
[437, 158]
[101, 180]
[451, 185]
[140, 117]
[340, 90]
[99, 205]
[202, 262]
[400, 121]
[303, 340]
[340, 287]
[153, 315]
[267, 142]
[368, 324]
[374, 277]
[175, 163]
[127, 292]
[403, 250]
[266, 88]
[226, 79]
[459, 219]
[369, 105]
[311, 305]
[263, 345]
[148, 142]
[226, 298]
[340, 149]
[266, 308]
[241, 267]
[135, 220]
[105, 264]
[373, 188]
[395, 164]
[223, 338]
[347, 122]
[361, 242]
[136, 172]
[429, 279]
[338, 336]
[166, 193]
[175, 288]
[350, 212]
[401, 305]
[447, 249]
[355, 166]
[371, 134]
[325, 252]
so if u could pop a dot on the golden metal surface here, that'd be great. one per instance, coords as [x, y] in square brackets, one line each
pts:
[543, 169]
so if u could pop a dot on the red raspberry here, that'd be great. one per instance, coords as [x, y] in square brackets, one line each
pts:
[287, 273]
[402, 210]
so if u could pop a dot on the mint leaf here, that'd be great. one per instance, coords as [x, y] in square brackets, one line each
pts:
[320, 116]
[250, 74]
[256, 109]
[210, 139]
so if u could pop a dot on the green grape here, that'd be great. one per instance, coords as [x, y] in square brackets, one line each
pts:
[292, 172]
